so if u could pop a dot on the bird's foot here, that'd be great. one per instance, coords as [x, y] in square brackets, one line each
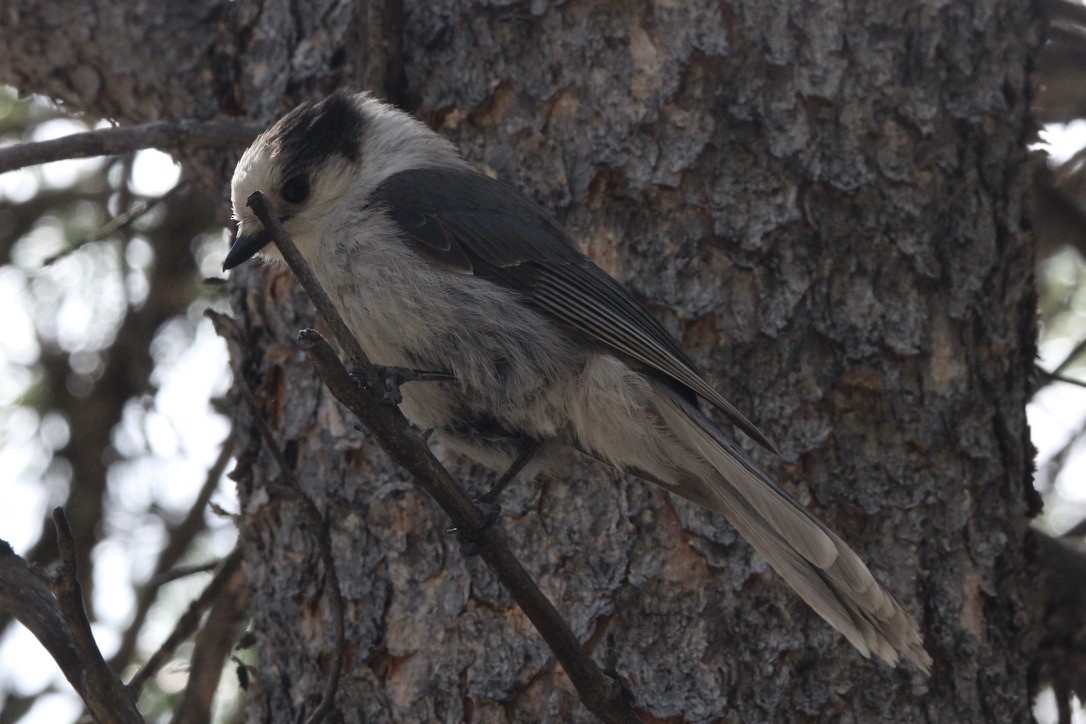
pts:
[471, 542]
[392, 377]
[525, 457]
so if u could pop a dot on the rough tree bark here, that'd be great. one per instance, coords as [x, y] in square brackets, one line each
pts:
[823, 201]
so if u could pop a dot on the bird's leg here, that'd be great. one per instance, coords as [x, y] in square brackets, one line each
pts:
[491, 496]
[487, 504]
[393, 377]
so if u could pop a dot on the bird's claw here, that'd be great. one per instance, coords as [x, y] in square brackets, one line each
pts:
[392, 377]
[470, 542]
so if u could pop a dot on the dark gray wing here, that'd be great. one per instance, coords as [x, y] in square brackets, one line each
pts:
[468, 222]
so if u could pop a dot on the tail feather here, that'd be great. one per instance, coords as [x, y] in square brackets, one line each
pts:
[820, 566]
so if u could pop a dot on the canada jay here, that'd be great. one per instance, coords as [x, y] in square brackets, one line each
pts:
[435, 266]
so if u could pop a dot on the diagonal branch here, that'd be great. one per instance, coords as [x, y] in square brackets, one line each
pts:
[54, 613]
[182, 572]
[164, 135]
[100, 688]
[211, 647]
[26, 597]
[603, 696]
[1053, 377]
[179, 540]
[225, 577]
[117, 223]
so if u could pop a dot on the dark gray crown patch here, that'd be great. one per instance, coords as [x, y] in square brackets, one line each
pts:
[314, 131]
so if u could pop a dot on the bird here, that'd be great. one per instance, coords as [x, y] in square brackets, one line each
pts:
[434, 265]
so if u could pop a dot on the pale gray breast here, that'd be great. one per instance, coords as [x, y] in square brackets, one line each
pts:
[407, 311]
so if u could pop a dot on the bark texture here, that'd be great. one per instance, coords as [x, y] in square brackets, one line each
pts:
[823, 201]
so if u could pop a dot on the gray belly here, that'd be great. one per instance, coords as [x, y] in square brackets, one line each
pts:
[494, 425]
[514, 368]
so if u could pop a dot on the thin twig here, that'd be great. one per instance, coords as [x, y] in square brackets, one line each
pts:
[1078, 530]
[165, 135]
[118, 222]
[27, 598]
[602, 695]
[331, 578]
[1056, 375]
[342, 334]
[182, 572]
[188, 623]
[16, 706]
[1071, 357]
[210, 648]
[103, 692]
[178, 541]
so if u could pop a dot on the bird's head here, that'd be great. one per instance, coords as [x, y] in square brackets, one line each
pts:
[306, 164]
[322, 158]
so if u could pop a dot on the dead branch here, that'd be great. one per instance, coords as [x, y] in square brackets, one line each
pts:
[211, 647]
[102, 691]
[28, 599]
[117, 223]
[179, 540]
[164, 135]
[188, 623]
[182, 572]
[603, 696]
[54, 613]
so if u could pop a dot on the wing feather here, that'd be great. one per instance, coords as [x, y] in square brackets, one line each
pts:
[468, 222]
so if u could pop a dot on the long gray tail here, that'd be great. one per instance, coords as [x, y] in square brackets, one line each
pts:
[820, 566]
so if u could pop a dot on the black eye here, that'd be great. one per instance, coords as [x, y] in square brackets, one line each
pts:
[295, 189]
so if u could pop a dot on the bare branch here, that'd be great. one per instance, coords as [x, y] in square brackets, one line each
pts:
[16, 220]
[189, 621]
[603, 696]
[182, 572]
[1078, 530]
[57, 619]
[211, 648]
[26, 597]
[164, 135]
[179, 540]
[102, 691]
[1054, 377]
[118, 222]
[263, 209]
[16, 706]
[1071, 357]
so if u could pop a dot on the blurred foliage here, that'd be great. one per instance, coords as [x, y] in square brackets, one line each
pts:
[108, 375]
[1058, 215]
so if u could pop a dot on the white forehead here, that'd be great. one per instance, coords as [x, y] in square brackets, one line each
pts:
[254, 172]
[388, 141]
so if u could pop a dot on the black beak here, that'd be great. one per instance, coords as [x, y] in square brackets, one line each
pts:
[244, 247]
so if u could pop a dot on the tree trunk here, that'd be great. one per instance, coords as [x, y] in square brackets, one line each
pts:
[824, 203]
